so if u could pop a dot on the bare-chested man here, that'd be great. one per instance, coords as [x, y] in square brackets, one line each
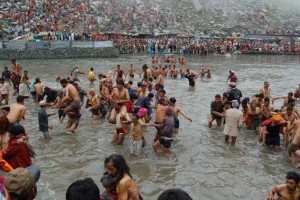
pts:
[265, 109]
[17, 111]
[160, 80]
[266, 90]
[119, 71]
[160, 113]
[130, 71]
[294, 146]
[177, 110]
[147, 72]
[285, 99]
[117, 168]
[289, 115]
[121, 96]
[191, 76]
[94, 102]
[38, 89]
[290, 190]
[72, 99]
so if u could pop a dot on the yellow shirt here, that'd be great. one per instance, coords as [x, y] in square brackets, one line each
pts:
[91, 75]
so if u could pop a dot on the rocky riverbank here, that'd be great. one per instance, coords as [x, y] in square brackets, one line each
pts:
[108, 52]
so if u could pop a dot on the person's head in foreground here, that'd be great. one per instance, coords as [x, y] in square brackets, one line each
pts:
[21, 183]
[85, 189]
[174, 194]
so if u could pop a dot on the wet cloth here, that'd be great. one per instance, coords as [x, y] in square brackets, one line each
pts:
[136, 147]
[293, 148]
[234, 119]
[17, 155]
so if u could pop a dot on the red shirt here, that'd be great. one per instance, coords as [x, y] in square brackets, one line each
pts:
[17, 154]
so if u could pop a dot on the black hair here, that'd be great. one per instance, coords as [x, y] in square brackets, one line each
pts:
[163, 91]
[173, 100]
[119, 162]
[20, 99]
[145, 66]
[289, 108]
[2, 79]
[16, 129]
[150, 95]
[218, 96]
[63, 81]
[267, 99]
[261, 95]
[291, 100]
[294, 176]
[136, 116]
[120, 83]
[174, 194]
[37, 80]
[47, 89]
[82, 190]
[130, 82]
[225, 94]
[290, 94]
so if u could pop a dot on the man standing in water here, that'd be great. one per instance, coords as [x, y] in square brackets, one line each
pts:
[266, 90]
[232, 78]
[72, 99]
[121, 96]
[234, 93]
[177, 110]
[191, 76]
[125, 187]
[74, 74]
[234, 120]
[289, 190]
[130, 72]
[17, 111]
[294, 146]
[15, 75]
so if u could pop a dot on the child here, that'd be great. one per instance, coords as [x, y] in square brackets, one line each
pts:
[4, 92]
[108, 183]
[43, 120]
[122, 125]
[136, 141]
[58, 100]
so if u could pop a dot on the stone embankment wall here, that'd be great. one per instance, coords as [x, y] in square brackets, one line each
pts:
[38, 53]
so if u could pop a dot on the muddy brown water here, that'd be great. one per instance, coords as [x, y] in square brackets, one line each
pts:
[200, 162]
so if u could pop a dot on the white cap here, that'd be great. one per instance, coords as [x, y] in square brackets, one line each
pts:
[42, 103]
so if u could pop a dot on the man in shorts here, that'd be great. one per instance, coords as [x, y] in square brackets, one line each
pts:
[166, 132]
[216, 105]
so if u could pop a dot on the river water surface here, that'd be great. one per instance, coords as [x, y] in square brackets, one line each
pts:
[200, 162]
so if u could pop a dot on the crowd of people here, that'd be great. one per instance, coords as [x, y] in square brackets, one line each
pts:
[192, 45]
[82, 17]
[131, 108]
